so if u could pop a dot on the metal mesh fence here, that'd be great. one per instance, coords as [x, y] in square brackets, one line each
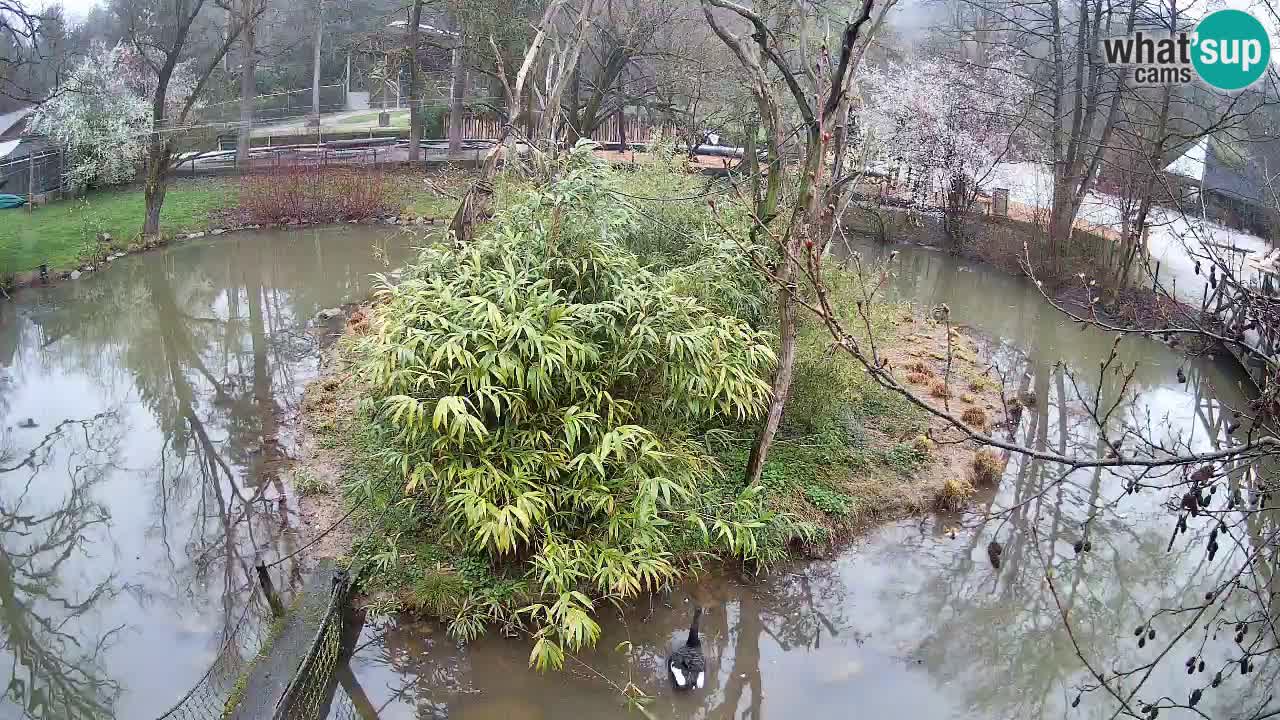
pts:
[224, 690]
[310, 693]
[278, 106]
[39, 172]
[220, 686]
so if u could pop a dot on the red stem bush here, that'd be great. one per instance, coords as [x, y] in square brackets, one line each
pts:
[307, 194]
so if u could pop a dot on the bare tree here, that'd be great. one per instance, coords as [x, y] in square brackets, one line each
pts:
[561, 65]
[477, 204]
[19, 39]
[817, 89]
[252, 10]
[167, 33]
[627, 36]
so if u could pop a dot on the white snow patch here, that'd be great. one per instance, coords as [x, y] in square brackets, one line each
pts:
[1174, 239]
[1028, 183]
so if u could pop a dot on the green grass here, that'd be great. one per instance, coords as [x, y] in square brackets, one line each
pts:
[399, 118]
[429, 204]
[64, 233]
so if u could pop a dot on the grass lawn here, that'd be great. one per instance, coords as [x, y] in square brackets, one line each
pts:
[64, 233]
[399, 118]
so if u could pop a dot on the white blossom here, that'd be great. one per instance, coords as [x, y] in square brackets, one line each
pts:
[943, 117]
[102, 115]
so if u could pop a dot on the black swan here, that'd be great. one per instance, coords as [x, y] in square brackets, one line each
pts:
[686, 663]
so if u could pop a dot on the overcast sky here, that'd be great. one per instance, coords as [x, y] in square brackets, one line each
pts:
[75, 9]
[907, 10]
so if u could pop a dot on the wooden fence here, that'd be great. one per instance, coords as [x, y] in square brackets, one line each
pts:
[1251, 317]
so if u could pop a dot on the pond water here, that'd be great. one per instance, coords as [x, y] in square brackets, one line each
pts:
[162, 391]
[130, 512]
[908, 622]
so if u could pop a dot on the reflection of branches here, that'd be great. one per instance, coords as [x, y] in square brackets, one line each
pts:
[45, 444]
[55, 673]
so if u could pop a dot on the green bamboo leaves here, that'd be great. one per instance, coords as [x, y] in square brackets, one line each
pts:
[542, 387]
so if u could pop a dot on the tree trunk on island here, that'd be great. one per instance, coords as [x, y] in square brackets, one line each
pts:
[415, 82]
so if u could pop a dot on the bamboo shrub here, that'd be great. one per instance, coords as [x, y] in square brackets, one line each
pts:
[542, 390]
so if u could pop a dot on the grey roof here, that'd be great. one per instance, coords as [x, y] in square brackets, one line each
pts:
[1243, 170]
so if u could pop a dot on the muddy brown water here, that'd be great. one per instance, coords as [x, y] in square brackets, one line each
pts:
[125, 544]
[161, 391]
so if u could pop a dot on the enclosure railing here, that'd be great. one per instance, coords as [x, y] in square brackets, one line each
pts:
[275, 107]
[37, 173]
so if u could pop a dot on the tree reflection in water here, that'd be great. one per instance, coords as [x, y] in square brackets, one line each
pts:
[201, 350]
[56, 671]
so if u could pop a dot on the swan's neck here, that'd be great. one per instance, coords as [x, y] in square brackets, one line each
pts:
[693, 640]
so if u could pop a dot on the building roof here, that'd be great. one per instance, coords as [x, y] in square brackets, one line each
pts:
[1246, 171]
[1191, 164]
[10, 121]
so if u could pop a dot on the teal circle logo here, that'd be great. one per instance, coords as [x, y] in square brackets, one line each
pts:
[1232, 49]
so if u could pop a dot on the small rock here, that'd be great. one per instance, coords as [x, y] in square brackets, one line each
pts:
[75, 275]
[216, 231]
[197, 234]
[328, 314]
[390, 220]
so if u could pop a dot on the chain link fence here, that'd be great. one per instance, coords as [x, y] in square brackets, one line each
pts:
[310, 692]
[275, 107]
[37, 173]
[257, 646]
[220, 687]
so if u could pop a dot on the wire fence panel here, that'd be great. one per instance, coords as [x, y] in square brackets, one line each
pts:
[220, 686]
[17, 174]
[310, 692]
[279, 106]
